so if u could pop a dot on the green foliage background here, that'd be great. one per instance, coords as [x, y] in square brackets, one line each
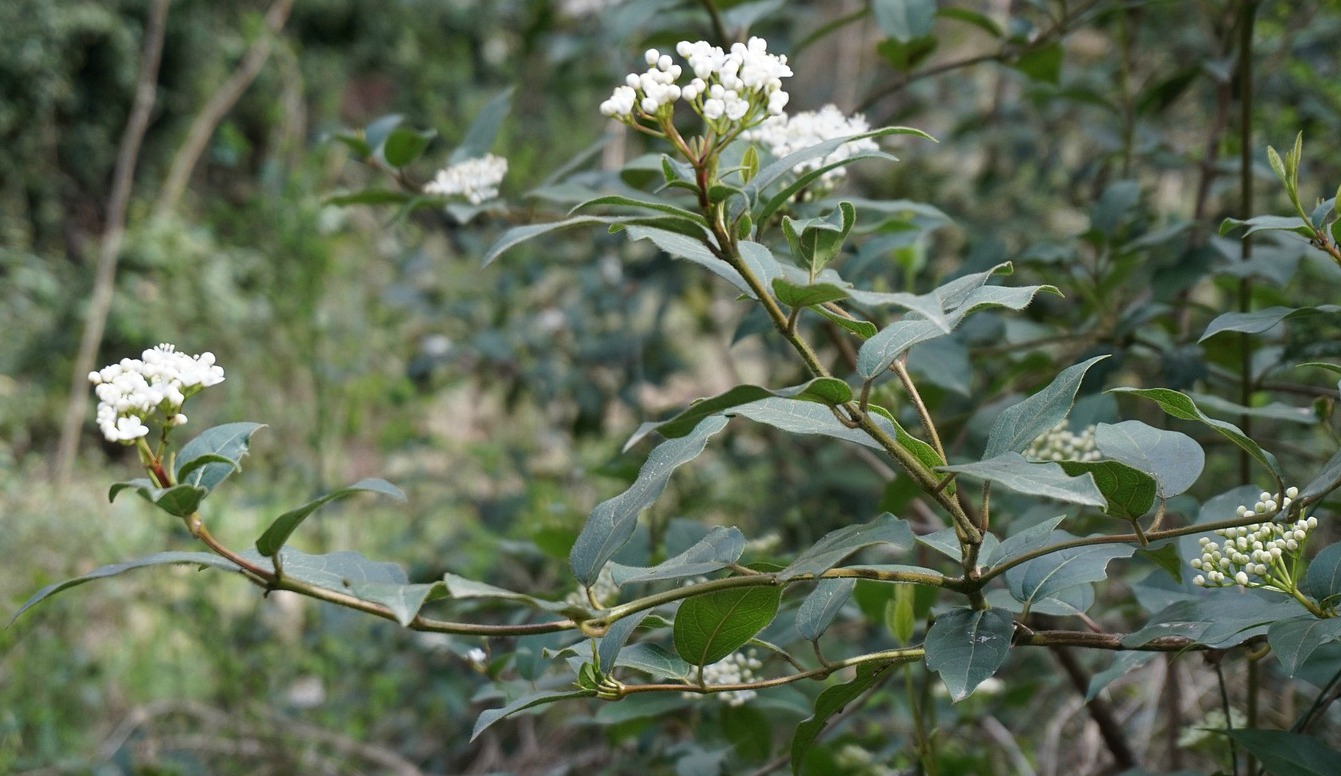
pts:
[1094, 144]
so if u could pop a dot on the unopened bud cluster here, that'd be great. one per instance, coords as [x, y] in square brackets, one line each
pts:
[736, 668]
[150, 388]
[1255, 555]
[787, 134]
[1060, 444]
[474, 179]
[729, 89]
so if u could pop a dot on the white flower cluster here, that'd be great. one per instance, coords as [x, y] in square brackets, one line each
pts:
[735, 668]
[158, 383]
[475, 179]
[741, 86]
[1258, 550]
[1060, 444]
[786, 134]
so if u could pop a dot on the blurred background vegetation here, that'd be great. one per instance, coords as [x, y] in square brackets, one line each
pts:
[1095, 143]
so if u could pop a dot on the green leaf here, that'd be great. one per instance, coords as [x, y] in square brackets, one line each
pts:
[369, 197]
[1175, 460]
[1180, 406]
[714, 552]
[520, 234]
[619, 200]
[279, 531]
[823, 604]
[1019, 425]
[610, 525]
[904, 20]
[530, 700]
[403, 145]
[1042, 64]
[1032, 538]
[1292, 224]
[837, 545]
[354, 141]
[202, 559]
[1123, 663]
[1289, 754]
[980, 20]
[229, 441]
[179, 500]
[1324, 482]
[861, 328]
[826, 390]
[376, 133]
[816, 241]
[905, 56]
[833, 700]
[1322, 581]
[616, 636]
[694, 250]
[966, 646]
[653, 659]
[1046, 576]
[484, 129]
[1219, 618]
[900, 614]
[794, 295]
[806, 417]
[711, 626]
[1130, 492]
[461, 588]
[1295, 639]
[1046, 480]
[402, 599]
[1259, 321]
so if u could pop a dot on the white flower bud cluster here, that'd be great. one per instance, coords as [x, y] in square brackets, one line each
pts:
[1259, 550]
[158, 383]
[736, 668]
[475, 179]
[729, 89]
[784, 134]
[1060, 444]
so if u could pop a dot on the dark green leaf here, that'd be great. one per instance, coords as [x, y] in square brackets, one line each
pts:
[1032, 538]
[794, 295]
[1295, 639]
[1180, 406]
[1046, 576]
[403, 600]
[1130, 492]
[202, 559]
[229, 441]
[1123, 662]
[839, 544]
[829, 703]
[904, 20]
[179, 500]
[1259, 321]
[616, 636]
[377, 132]
[714, 552]
[653, 659]
[1324, 482]
[694, 250]
[1291, 224]
[279, 531]
[816, 241]
[806, 417]
[966, 646]
[980, 20]
[369, 197]
[520, 234]
[1322, 581]
[480, 136]
[1042, 64]
[827, 390]
[1046, 480]
[711, 626]
[820, 608]
[1289, 754]
[530, 700]
[461, 588]
[610, 525]
[1019, 425]
[1175, 460]
[619, 200]
[403, 145]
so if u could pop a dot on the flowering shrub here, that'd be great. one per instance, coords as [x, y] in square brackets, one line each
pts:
[967, 578]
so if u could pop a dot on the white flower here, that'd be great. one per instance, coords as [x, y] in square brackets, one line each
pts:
[155, 385]
[1254, 550]
[784, 134]
[736, 668]
[475, 179]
